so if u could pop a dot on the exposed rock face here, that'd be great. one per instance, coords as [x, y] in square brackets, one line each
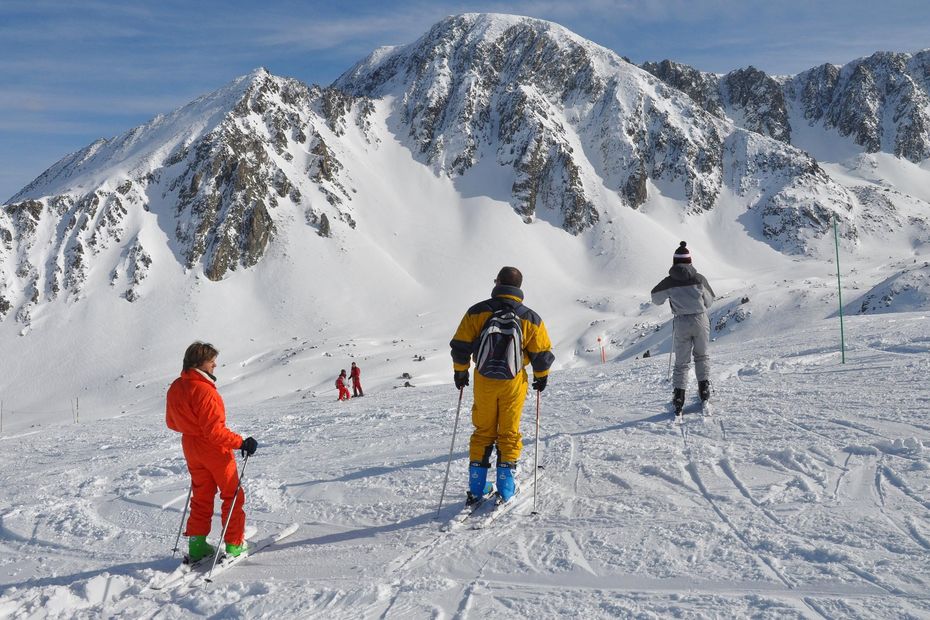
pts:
[906, 291]
[793, 195]
[561, 112]
[759, 101]
[234, 177]
[748, 97]
[470, 83]
[882, 101]
[134, 268]
[704, 88]
[213, 173]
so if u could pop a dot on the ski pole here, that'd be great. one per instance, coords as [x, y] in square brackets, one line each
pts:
[455, 428]
[232, 505]
[183, 515]
[536, 456]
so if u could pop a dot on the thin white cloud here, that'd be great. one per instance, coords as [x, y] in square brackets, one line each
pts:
[313, 34]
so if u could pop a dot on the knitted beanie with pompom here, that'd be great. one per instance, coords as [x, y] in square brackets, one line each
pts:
[682, 254]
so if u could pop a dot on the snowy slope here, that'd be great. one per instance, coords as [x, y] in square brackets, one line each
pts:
[805, 495]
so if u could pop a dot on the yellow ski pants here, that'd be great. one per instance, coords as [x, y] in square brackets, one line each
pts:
[496, 416]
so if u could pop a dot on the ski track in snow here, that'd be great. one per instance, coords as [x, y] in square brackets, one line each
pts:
[803, 495]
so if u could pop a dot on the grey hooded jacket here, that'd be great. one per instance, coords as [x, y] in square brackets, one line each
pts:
[686, 290]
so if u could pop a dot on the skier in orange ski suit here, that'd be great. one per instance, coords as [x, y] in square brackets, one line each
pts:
[195, 409]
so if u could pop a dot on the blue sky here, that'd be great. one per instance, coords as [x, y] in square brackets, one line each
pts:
[76, 70]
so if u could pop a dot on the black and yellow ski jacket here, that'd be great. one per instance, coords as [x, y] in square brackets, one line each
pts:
[536, 343]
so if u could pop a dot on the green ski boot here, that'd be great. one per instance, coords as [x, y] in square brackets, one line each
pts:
[198, 548]
[237, 550]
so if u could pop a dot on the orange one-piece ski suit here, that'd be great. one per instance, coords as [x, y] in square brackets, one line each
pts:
[195, 409]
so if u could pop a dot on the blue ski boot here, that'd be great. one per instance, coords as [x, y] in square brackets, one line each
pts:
[506, 485]
[478, 485]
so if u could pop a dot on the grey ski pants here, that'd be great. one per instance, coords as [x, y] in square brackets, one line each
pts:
[692, 334]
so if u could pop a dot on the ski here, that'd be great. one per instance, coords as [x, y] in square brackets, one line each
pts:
[187, 574]
[462, 516]
[500, 508]
[706, 408]
[230, 561]
[177, 574]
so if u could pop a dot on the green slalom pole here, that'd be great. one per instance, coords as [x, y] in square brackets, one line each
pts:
[839, 288]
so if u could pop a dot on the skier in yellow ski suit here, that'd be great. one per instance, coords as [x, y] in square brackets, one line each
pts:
[499, 398]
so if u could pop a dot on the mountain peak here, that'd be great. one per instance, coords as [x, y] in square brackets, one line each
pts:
[215, 170]
[569, 118]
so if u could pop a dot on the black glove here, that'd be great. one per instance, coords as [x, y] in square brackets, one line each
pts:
[461, 379]
[249, 446]
[539, 383]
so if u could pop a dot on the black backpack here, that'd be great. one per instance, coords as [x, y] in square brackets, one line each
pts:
[499, 354]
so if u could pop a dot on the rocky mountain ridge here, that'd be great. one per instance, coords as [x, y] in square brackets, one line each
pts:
[882, 101]
[563, 119]
[217, 169]
[566, 114]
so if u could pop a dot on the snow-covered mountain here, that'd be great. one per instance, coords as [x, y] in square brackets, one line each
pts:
[882, 102]
[561, 117]
[211, 173]
[569, 117]
[297, 210]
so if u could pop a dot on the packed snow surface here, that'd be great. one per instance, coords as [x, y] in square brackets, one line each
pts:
[804, 494]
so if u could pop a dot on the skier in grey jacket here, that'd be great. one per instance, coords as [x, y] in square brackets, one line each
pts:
[690, 296]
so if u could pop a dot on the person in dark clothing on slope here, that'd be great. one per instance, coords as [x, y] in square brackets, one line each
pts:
[690, 296]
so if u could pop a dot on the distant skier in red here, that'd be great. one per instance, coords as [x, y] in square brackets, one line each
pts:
[341, 385]
[356, 374]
